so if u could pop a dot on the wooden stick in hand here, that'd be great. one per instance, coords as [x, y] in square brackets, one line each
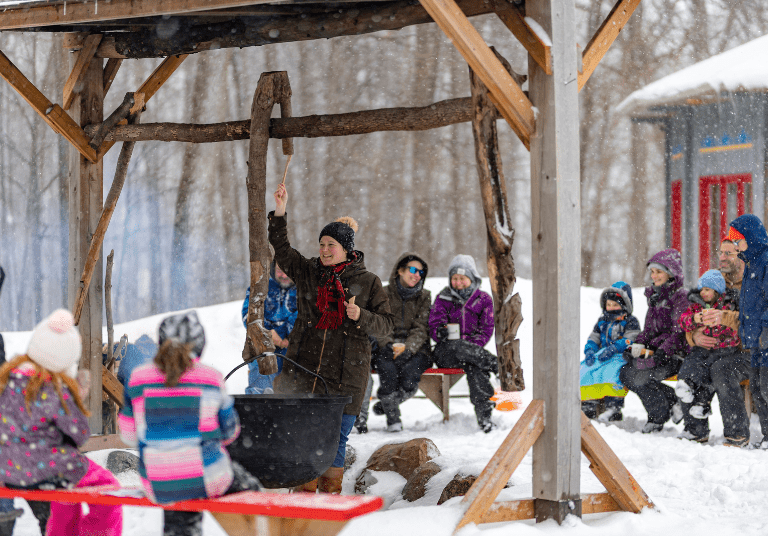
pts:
[285, 173]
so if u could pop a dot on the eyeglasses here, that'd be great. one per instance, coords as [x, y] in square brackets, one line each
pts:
[727, 253]
[415, 270]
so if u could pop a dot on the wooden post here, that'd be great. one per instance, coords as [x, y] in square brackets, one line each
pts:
[507, 307]
[273, 88]
[556, 255]
[86, 190]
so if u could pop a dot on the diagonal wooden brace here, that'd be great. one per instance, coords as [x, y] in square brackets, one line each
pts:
[515, 21]
[505, 94]
[53, 114]
[605, 36]
[78, 71]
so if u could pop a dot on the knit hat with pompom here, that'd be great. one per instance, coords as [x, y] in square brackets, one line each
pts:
[55, 343]
[342, 231]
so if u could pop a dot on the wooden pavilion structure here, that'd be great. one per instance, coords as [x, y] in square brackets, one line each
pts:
[104, 33]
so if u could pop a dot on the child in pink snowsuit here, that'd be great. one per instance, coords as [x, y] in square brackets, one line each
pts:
[43, 423]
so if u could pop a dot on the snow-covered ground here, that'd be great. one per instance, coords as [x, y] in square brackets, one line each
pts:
[701, 490]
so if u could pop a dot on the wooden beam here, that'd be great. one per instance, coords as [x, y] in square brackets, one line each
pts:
[75, 79]
[506, 511]
[605, 36]
[505, 94]
[120, 113]
[110, 72]
[494, 477]
[76, 13]
[515, 21]
[437, 115]
[610, 471]
[86, 197]
[112, 386]
[148, 89]
[103, 442]
[556, 257]
[53, 114]
[297, 22]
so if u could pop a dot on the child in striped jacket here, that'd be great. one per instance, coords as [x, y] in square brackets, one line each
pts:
[178, 413]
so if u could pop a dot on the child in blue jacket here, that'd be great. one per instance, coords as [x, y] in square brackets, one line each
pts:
[599, 373]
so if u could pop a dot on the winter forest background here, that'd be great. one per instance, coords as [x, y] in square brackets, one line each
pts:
[180, 229]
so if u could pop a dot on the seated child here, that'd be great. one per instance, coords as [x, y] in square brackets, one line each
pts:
[612, 335]
[694, 382]
[44, 422]
[179, 414]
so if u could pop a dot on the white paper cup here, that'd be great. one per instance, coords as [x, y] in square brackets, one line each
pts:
[454, 332]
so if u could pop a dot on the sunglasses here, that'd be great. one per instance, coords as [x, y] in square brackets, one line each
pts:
[415, 270]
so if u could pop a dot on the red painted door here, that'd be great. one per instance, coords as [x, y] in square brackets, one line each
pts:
[721, 199]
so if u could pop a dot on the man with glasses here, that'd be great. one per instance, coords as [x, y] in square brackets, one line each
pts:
[728, 373]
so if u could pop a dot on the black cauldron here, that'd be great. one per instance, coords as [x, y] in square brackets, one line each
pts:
[287, 440]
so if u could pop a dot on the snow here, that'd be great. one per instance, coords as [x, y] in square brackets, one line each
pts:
[698, 489]
[540, 32]
[743, 68]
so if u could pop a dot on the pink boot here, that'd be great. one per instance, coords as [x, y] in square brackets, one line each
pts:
[69, 519]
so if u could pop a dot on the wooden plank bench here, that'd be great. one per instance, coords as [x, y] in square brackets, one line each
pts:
[248, 513]
[436, 384]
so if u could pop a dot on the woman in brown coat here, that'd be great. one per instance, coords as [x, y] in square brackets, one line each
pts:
[330, 336]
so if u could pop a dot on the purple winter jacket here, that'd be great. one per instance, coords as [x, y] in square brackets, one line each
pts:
[662, 329]
[475, 317]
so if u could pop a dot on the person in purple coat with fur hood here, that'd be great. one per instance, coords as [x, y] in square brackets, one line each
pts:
[463, 303]
[659, 349]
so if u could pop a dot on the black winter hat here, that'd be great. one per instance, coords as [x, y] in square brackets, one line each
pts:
[342, 231]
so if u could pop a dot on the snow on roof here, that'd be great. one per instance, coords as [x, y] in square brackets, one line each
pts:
[743, 68]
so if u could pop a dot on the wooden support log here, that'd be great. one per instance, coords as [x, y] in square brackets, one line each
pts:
[292, 23]
[610, 471]
[504, 92]
[273, 88]
[437, 115]
[106, 215]
[494, 477]
[53, 114]
[75, 79]
[110, 122]
[605, 36]
[513, 19]
[110, 72]
[507, 305]
[148, 89]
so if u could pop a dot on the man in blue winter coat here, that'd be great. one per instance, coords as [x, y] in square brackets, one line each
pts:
[280, 312]
[748, 233]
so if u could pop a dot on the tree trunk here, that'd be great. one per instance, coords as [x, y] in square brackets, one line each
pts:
[273, 88]
[501, 266]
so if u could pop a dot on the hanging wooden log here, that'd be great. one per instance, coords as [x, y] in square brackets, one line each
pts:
[273, 88]
[439, 114]
[111, 122]
[264, 25]
[507, 304]
[106, 215]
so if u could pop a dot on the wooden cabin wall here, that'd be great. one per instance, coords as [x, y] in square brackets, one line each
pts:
[407, 190]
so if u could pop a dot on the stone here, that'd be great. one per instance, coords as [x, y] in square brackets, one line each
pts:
[365, 480]
[350, 457]
[120, 461]
[416, 487]
[457, 487]
[403, 458]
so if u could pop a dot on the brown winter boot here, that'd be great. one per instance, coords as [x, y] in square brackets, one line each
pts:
[309, 487]
[330, 481]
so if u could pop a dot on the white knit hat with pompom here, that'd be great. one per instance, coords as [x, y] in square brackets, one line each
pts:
[55, 343]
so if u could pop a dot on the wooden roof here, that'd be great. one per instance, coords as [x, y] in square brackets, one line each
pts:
[147, 29]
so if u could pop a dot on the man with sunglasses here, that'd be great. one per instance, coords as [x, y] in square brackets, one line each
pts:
[402, 356]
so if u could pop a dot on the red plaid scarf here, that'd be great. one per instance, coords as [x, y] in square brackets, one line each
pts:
[330, 289]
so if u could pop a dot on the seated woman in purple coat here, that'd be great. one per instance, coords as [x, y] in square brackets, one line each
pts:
[464, 304]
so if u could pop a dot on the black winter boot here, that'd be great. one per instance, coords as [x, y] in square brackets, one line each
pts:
[483, 414]
[390, 407]
[589, 407]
